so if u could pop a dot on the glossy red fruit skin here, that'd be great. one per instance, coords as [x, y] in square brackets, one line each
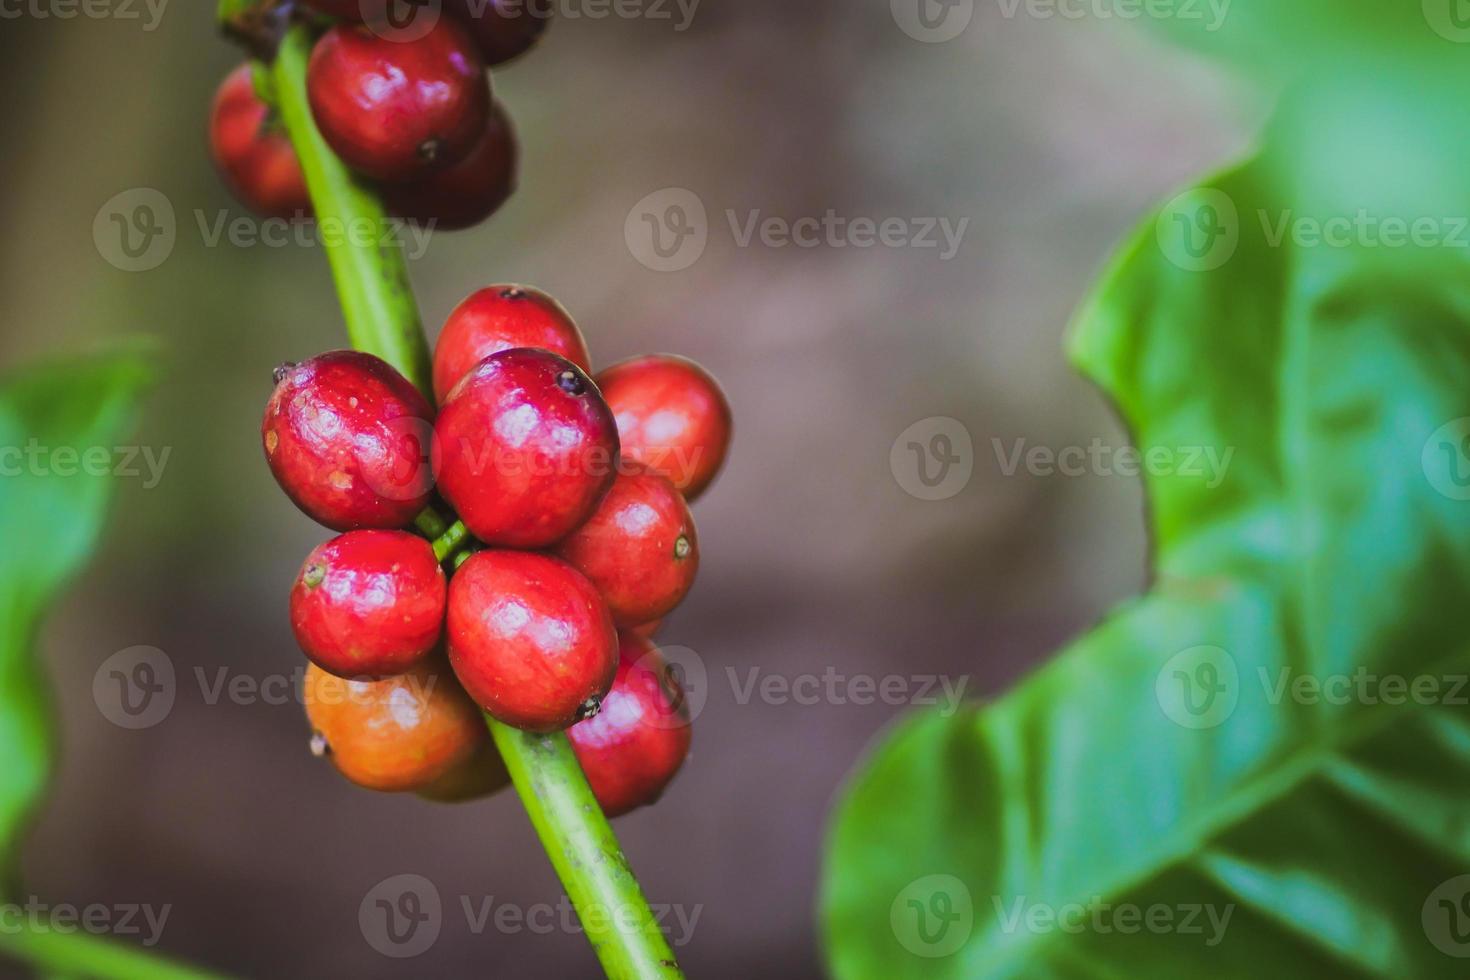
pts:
[255, 160]
[635, 745]
[396, 109]
[524, 448]
[530, 639]
[499, 318]
[467, 192]
[346, 437]
[639, 547]
[672, 416]
[503, 29]
[369, 603]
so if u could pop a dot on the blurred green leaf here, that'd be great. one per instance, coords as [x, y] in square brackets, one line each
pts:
[1158, 763]
[1287, 38]
[51, 512]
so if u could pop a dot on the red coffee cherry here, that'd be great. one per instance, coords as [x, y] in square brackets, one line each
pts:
[465, 193]
[398, 109]
[672, 416]
[253, 154]
[530, 639]
[369, 603]
[635, 745]
[394, 735]
[639, 547]
[503, 29]
[480, 776]
[499, 318]
[347, 437]
[524, 448]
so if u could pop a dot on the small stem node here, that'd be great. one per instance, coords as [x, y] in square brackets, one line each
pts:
[446, 544]
[431, 523]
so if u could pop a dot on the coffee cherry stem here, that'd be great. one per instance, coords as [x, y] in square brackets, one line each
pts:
[585, 853]
[446, 538]
[382, 319]
[431, 523]
[446, 544]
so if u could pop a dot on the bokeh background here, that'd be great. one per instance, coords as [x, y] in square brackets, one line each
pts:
[1052, 136]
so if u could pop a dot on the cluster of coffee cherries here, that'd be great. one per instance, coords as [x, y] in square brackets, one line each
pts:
[573, 540]
[408, 108]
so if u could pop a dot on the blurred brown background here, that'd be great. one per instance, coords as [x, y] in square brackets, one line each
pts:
[1051, 136]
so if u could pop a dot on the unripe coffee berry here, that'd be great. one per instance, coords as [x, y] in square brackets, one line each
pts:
[524, 448]
[672, 416]
[530, 639]
[393, 735]
[503, 29]
[396, 109]
[348, 439]
[467, 192]
[634, 747]
[369, 603]
[639, 547]
[253, 154]
[499, 318]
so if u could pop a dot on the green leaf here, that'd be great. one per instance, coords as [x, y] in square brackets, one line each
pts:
[51, 512]
[1291, 37]
[1156, 766]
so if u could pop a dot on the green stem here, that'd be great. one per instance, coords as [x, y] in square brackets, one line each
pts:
[450, 541]
[82, 954]
[431, 523]
[445, 537]
[381, 317]
[586, 854]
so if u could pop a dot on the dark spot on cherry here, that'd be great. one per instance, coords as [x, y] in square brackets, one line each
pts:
[571, 382]
[589, 708]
